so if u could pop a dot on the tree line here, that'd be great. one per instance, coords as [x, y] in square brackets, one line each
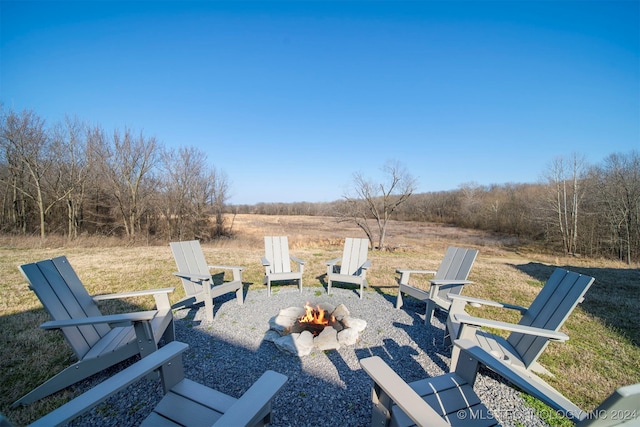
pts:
[577, 208]
[73, 179]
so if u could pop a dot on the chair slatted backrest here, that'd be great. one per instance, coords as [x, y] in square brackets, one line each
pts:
[354, 255]
[189, 259]
[62, 294]
[549, 310]
[276, 250]
[456, 265]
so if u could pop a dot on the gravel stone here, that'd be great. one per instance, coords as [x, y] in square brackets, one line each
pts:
[324, 387]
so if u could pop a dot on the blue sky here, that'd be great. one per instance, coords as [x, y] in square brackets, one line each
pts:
[290, 99]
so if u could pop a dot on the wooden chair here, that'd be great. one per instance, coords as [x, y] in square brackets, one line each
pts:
[540, 323]
[352, 267]
[451, 277]
[277, 262]
[98, 341]
[185, 402]
[195, 275]
[449, 399]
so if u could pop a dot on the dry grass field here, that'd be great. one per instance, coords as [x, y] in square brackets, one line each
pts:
[602, 354]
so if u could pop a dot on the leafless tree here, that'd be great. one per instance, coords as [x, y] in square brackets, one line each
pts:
[471, 203]
[30, 155]
[126, 165]
[13, 176]
[618, 187]
[565, 178]
[70, 144]
[179, 169]
[369, 201]
[220, 184]
[192, 192]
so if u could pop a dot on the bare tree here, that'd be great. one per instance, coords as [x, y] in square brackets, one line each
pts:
[70, 142]
[29, 152]
[126, 166]
[13, 177]
[565, 178]
[220, 183]
[618, 185]
[471, 204]
[373, 201]
[192, 191]
[180, 169]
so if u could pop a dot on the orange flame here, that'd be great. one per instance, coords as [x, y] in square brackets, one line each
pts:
[315, 315]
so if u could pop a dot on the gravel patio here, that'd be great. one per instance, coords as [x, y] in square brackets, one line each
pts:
[325, 388]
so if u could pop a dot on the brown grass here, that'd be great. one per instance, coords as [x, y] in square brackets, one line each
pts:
[602, 354]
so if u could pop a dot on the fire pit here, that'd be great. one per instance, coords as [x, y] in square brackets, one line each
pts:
[300, 330]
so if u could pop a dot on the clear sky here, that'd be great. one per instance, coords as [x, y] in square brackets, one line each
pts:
[290, 99]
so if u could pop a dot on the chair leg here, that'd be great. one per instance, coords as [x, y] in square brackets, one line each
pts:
[455, 355]
[428, 315]
[381, 411]
[399, 301]
[169, 333]
[208, 308]
[446, 339]
[465, 332]
[240, 295]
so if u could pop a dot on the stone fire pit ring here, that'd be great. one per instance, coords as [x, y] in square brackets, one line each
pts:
[291, 335]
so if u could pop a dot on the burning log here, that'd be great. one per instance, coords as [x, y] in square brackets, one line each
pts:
[314, 321]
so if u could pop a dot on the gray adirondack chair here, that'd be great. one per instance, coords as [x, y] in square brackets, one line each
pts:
[195, 275]
[450, 277]
[277, 262]
[185, 402]
[449, 399]
[352, 267]
[540, 322]
[98, 341]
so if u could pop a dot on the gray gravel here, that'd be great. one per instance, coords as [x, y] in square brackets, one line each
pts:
[324, 388]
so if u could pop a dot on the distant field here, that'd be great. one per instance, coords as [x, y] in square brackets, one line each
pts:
[602, 354]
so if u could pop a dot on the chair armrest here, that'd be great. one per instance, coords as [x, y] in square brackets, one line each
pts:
[121, 319]
[400, 392]
[450, 282]
[265, 262]
[331, 265]
[133, 294]
[406, 274]
[527, 330]
[297, 260]
[112, 385]
[237, 270]
[403, 271]
[249, 409]
[366, 264]
[227, 267]
[194, 277]
[477, 302]
[531, 385]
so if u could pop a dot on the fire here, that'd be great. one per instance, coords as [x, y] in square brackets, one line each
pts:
[316, 315]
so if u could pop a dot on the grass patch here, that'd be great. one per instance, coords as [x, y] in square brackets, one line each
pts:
[548, 415]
